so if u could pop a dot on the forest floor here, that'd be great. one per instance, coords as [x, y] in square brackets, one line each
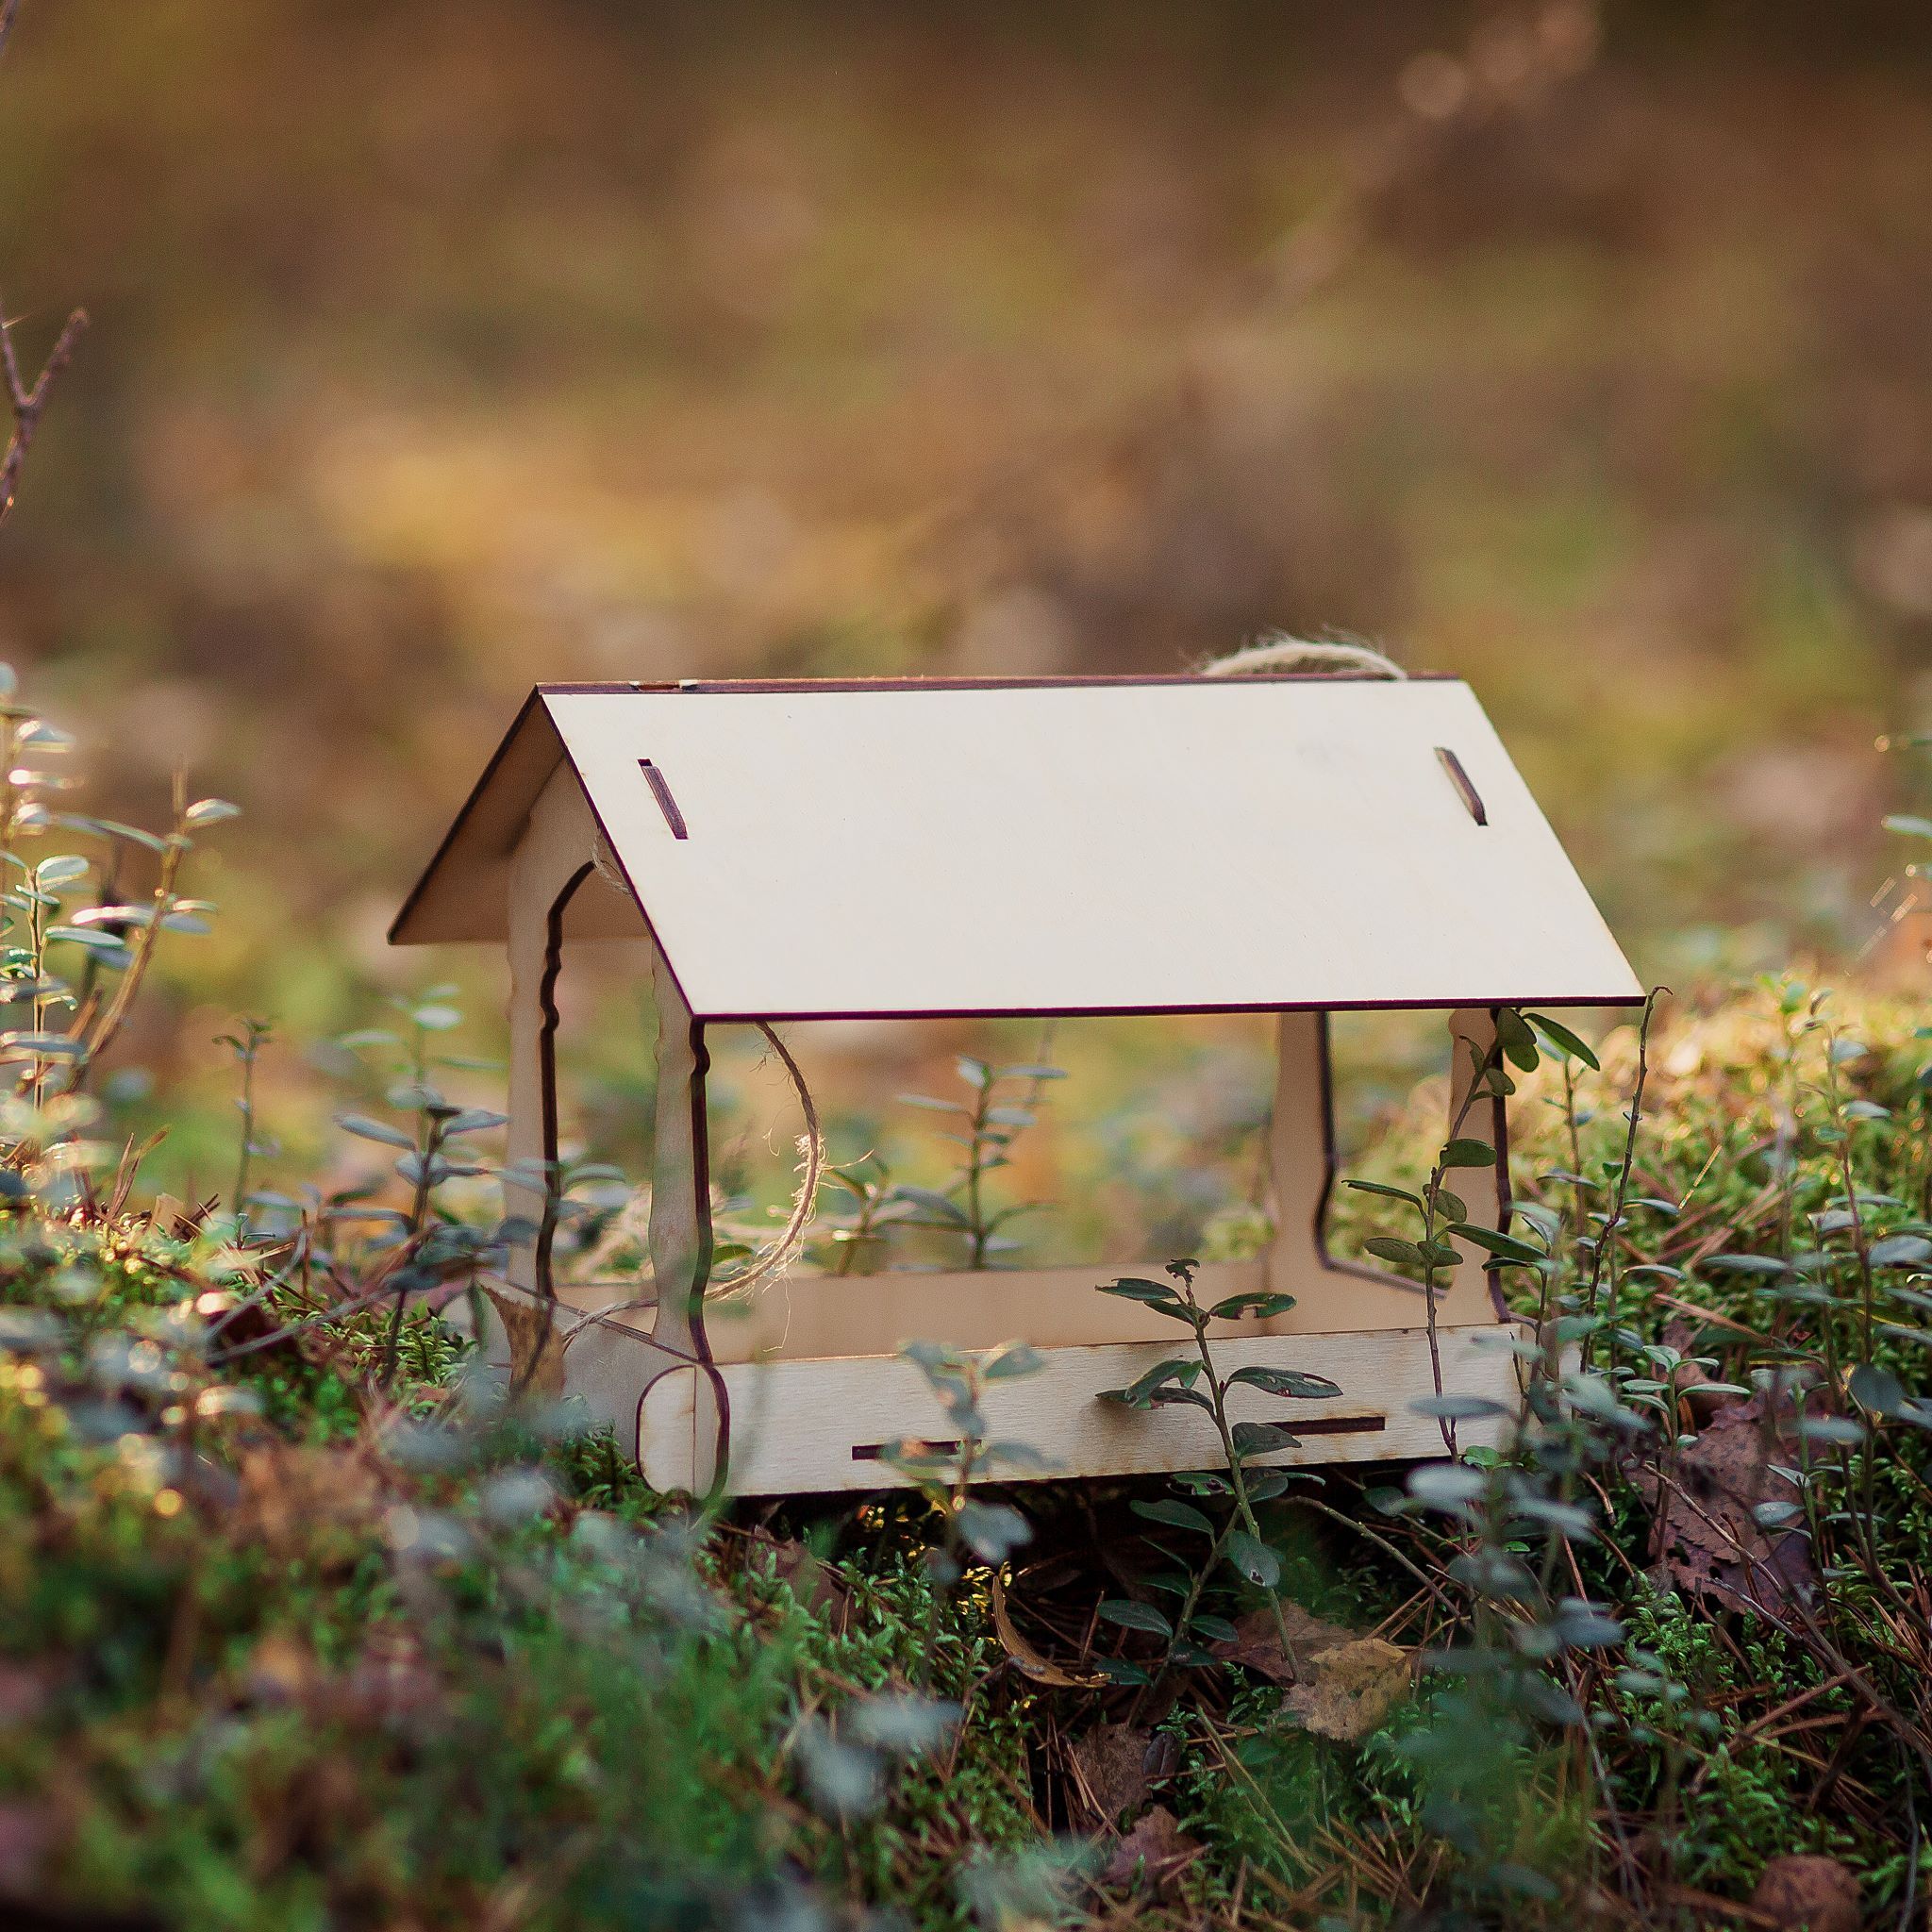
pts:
[303, 1627]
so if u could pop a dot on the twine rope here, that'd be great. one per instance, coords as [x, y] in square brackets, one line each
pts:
[1275, 651]
[780, 1255]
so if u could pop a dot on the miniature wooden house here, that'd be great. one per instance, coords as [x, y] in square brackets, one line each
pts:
[1158, 845]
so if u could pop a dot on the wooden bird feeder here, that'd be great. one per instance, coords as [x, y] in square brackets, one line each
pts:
[1290, 845]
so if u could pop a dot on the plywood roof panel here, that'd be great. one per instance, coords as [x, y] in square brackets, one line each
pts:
[1120, 847]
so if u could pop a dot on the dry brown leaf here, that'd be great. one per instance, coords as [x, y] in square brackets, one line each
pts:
[1708, 1535]
[814, 1583]
[280, 1669]
[1153, 1855]
[26, 1835]
[1113, 1768]
[1028, 1660]
[1257, 1642]
[23, 1692]
[1341, 1685]
[318, 1504]
[536, 1342]
[1349, 1691]
[167, 1216]
[1806, 1894]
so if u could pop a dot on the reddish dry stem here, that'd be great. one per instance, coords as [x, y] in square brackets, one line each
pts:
[24, 401]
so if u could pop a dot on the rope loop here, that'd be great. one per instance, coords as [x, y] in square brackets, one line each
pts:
[1276, 650]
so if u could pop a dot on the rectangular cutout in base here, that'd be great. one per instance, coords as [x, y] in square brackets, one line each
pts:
[876, 1452]
[1337, 1425]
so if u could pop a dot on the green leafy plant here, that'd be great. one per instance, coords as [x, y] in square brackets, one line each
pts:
[1442, 1216]
[246, 1045]
[990, 1120]
[946, 1471]
[77, 972]
[426, 1245]
[857, 1241]
[1237, 1538]
[1505, 1527]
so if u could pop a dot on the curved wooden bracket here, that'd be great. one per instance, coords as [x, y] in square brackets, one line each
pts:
[680, 1226]
[553, 862]
[546, 1073]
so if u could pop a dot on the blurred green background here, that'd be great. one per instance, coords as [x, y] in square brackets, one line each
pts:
[440, 348]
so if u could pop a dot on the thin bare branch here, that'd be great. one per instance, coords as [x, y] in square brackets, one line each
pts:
[26, 400]
[27, 403]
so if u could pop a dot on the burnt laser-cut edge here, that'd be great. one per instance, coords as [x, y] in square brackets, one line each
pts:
[1306, 1426]
[1335, 1424]
[661, 790]
[876, 1452]
[1464, 784]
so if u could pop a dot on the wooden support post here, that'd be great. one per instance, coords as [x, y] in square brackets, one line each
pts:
[680, 1226]
[1302, 1156]
[1472, 1038]
[552, 861]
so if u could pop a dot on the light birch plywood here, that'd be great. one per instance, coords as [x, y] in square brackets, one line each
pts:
[796, 1425]
[679, 1232]
[553, 872]
[802, 1316]
[814, 1315]
[807, 1341]
[613, 1367]
[807, 1317]
[1117, 847]
[561, 867]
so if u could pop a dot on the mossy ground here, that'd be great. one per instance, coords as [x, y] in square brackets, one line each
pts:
[284, 1648]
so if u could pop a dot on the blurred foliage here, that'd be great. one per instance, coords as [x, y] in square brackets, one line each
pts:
[443, 347]
[293, 1642]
